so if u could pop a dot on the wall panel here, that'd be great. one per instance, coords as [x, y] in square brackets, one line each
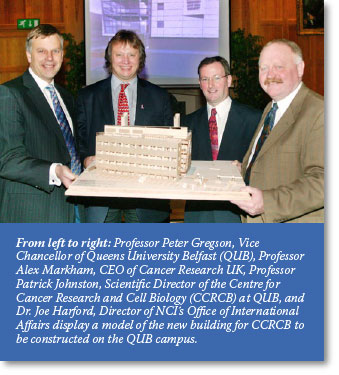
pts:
[277, 19]
[66, 15]
[11, 10]
[269, 18]
[271, 10]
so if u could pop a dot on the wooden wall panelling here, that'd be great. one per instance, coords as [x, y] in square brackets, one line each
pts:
[239, 14]
[271, 10]
[269, 18]
[50, 11]
[66, 15]
[13, 57]
[272, 19]
[74, 18]
[10, 11]
[277, 19]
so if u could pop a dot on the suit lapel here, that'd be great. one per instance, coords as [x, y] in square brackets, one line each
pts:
[68, 100]
[286, 121]
[41, 106]
[204, 135]
[141, 104]
[258, 130]
[230, 134]
[280, 128]
[104, 101]
[104, 96]
[69, 103]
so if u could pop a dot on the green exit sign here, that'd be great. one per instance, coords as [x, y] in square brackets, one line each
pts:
[27, 23]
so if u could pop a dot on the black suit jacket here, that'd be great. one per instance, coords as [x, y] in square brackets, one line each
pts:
[240, 127]
[30, 141]
[95, 109]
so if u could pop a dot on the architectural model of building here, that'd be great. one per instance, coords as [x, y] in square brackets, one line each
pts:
[155, 162]
[157, 152]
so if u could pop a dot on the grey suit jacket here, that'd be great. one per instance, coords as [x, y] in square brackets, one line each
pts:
[241, 124]
[30, 141]
[290, 166]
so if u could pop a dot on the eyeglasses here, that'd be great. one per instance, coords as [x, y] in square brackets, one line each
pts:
[215, 79]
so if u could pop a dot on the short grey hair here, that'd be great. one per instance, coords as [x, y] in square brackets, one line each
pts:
[296, 50]
[42, 31]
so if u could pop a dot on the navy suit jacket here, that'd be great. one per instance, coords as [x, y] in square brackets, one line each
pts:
[30, 141]
[95, 110]
[240, 127]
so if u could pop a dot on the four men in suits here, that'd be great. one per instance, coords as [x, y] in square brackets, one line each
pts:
[98, 105]
[286, 176]
[236, 124]
[283, 166]
[35, 158]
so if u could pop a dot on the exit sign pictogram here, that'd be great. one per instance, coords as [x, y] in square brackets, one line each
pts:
[27, 23]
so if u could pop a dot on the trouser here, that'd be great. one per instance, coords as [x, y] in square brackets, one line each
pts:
[114, 215]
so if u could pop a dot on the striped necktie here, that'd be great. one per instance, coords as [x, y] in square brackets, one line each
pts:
[213, 128]
[268, 125]
[66, 131]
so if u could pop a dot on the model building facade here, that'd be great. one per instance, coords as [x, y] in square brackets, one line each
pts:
[162, 153]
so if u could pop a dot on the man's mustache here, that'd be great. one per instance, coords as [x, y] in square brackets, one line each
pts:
[272, 80]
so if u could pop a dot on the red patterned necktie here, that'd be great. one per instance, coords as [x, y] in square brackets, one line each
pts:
[122, 103]
[212, 123]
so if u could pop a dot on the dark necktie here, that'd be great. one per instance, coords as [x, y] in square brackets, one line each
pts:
[66, 131]
[122, 103]
[213, 127]
[268, 125]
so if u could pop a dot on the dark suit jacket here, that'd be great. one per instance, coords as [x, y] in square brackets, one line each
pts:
[30, 141]
[95, 109]
[241, 124]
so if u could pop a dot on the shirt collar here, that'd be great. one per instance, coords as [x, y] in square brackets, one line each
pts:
[283, 104]
[222, 108]
[40, 82]
[116, 82]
